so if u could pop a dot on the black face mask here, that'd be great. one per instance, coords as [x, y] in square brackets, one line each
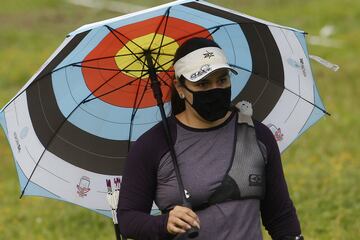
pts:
[212, 104]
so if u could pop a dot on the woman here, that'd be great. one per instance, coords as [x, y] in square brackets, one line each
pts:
[229, 164]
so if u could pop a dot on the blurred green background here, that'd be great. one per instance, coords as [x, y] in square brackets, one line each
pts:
[322, 167]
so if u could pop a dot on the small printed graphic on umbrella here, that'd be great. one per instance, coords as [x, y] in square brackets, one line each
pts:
[24, 132]
[276, 131]
[83, 187]
[18, 146]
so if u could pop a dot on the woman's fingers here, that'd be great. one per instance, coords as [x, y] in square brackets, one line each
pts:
[175, 230]
[189, 212]
[189, 218]
[182, 219]
[187, 215]
[175, 225]
[182, 224]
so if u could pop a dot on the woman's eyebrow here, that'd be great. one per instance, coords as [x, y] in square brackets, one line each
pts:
[224, 75]
[205, 80]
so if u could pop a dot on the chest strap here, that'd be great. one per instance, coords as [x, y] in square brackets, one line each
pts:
[245, 177]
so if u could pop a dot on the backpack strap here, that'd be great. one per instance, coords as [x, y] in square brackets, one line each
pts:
[245, 113]
[245, 177]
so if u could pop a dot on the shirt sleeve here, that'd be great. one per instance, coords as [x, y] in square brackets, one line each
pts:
[277, 210]
[138, 189]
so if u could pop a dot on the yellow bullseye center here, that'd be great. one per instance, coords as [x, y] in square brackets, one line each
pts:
[130, 58]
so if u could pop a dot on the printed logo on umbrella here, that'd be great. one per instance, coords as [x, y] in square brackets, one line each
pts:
[279, 136]
[83, 187]
[298, 64]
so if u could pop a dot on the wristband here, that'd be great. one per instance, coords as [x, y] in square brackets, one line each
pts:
[298, 237]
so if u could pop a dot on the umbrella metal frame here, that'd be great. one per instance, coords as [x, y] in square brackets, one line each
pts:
[155, 86]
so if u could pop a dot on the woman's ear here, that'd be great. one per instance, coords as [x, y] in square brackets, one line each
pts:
[178, 87]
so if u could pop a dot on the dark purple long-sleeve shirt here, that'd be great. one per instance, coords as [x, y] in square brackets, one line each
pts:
[141, 184]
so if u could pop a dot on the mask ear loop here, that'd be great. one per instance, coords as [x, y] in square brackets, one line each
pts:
[186, 100]
[182, 83]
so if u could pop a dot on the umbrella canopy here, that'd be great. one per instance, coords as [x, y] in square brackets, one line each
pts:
[70, 126]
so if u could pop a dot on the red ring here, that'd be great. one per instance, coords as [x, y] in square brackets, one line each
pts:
[112, 43]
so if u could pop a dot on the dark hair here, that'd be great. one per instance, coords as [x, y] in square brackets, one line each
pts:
[177, 104]
[192, 44]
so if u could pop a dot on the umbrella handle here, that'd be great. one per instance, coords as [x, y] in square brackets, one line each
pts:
[193, 232]
[117, 232]
[155, 85]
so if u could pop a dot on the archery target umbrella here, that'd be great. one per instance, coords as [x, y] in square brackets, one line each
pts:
[70, 126]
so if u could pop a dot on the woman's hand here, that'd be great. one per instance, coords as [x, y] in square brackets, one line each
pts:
[182, 219]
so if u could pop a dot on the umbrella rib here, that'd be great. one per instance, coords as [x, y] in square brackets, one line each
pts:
[97, 68]
[273, 82]
[51, 72]
[267, 63]
[58, 129]
[264, 48]
[167, 54]
[215, 30]
[323, 110]
[122, 70]
[107, 57]
[113, 30]
[294, 107]
[134, 111]
[32, 83]
[241, 68]
[194, 33]
[163, 35]
[109, 69]
[164, 82]
[160, 66]
[261, 93]
[114, 90]
[163, 70]
[125, 84]
[46, 170]
[165, 16]
[40, 77]
[278, 85]
[142, 96]
[136, 96]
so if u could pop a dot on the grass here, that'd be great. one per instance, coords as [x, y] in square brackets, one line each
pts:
[322, 167]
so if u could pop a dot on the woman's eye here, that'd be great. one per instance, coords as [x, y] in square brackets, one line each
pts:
[223, 80]
[204, 84]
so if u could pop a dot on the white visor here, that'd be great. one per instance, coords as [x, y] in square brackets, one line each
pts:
[200, 63]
